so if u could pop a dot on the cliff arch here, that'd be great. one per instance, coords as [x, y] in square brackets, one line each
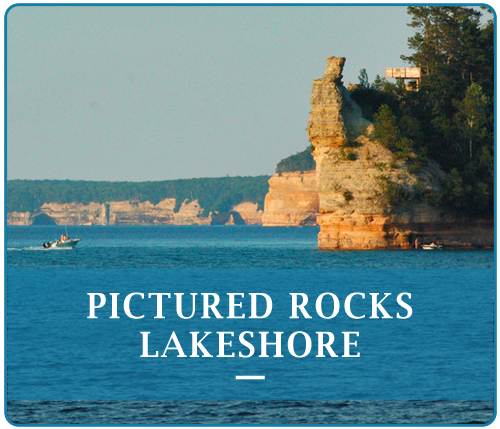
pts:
[43, 219]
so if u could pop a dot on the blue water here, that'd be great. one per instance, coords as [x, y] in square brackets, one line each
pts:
[440, 360]
[213, 247]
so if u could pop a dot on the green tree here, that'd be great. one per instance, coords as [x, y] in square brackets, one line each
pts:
[363, 79]
[447, 40]
[388, 134]
[386, 129]
[213, 194]
[455, 50]
[301, 161]
[471, 117]
[451, 117]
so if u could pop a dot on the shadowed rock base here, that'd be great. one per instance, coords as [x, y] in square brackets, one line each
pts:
[380, 232]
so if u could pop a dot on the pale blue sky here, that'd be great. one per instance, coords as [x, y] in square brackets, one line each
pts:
[154, 93]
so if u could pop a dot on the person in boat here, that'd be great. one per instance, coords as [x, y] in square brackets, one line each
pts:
[63, 238]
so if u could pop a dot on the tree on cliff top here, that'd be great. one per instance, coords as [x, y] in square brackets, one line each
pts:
[447, 40]
[213, 194]
[301, 161]
[455, 50]
[387, 132]
[451, 118]
[453, 108]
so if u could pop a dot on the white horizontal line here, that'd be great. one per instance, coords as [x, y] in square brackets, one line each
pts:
[250, 377]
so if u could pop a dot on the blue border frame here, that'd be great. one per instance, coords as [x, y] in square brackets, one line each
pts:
[249, 4]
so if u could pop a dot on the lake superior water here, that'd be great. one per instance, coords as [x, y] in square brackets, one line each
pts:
[214, 247]
[245, 252]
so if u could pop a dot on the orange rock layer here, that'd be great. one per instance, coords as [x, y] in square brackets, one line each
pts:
[292, 200]
[364, 232]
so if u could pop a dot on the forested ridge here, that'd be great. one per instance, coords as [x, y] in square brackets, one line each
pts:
[301, 161]
[213, 194]
[450, 119]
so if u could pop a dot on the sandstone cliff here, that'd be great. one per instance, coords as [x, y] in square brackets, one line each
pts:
[71, 214]
[136, 213]
[351, 170]
[249, 213]
[292, 200]
[19, 218]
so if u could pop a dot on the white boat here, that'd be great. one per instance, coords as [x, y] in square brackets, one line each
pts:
[432, 246]
[63, 243]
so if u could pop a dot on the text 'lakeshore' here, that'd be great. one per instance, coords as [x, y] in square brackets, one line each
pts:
[260, 306]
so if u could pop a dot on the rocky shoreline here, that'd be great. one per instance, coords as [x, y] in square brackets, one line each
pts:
[292, 200]
[354, 212]
[136, 213]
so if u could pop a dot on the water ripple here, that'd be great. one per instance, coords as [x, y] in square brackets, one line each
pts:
[249, 412]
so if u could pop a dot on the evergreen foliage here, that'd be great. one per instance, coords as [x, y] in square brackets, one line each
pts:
[363, 79]
[388, 133]
[213, 194]
[301, 161]
[450, 119]
[399, 196]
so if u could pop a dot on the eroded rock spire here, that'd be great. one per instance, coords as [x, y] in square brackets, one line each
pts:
[335, 118]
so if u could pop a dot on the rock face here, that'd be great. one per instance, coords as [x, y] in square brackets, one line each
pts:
[351, 170]
[135, 213]
[191, 213]
[19, 218]
[71, 214]
[248, 212]
[335, 118]
[292, 200]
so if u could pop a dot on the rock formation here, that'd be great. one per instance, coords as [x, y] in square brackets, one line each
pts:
[19, 218]
[136, 213]
[248, 212]
[351, 169]
[71, 214]
[191, 213]
[292, 199]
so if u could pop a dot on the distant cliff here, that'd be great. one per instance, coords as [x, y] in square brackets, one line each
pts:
[214, 194]
[136, 213]
[356, 174]
[292, 200]
[203, 201]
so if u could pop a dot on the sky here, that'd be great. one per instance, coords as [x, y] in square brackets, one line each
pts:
[130, 93]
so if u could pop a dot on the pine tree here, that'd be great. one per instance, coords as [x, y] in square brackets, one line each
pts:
[363, 79]
[387, 132]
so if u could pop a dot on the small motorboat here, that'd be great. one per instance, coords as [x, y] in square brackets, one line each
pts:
[63, 243]
[432, 246]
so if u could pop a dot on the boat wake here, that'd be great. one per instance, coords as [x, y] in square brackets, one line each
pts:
[35, 249]
[18, 249]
